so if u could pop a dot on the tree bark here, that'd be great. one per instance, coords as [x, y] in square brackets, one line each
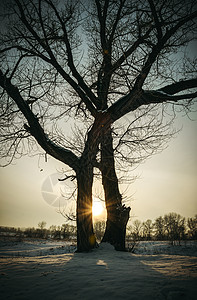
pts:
[85, 236]
[117, 214]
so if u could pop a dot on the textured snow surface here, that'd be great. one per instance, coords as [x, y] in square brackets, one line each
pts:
[164, 247]
[36, 269]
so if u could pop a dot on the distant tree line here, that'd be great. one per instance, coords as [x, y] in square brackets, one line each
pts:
[65, 231]
[171, 227]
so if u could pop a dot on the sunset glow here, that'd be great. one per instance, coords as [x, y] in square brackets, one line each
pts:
[97, 208]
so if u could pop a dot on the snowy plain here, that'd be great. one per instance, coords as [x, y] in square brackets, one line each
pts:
[44, 269]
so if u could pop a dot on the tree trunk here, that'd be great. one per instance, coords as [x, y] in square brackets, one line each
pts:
[85, 236]
[117, 214]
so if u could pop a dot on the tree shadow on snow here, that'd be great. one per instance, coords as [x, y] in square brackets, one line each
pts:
[103, 274]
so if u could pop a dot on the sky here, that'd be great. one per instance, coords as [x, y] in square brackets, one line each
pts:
[167, 182]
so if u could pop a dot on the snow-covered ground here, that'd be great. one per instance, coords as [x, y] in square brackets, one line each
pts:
[164, 247]
[38, 269]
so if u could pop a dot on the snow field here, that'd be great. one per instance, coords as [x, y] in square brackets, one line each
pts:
[32, 270]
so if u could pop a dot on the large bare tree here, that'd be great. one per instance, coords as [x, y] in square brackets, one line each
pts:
[90, 64]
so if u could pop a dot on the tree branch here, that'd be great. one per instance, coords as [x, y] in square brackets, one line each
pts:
[71, 64]
[87, 96]
[35, 128]
[128, 52]
[61, 71]
[116, 22]
[102, 21]
[179, 86]
[135, 99]
[156, 20]
[151, 97]
[157, 49]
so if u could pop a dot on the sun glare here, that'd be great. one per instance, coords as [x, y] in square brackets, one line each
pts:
[97, 208]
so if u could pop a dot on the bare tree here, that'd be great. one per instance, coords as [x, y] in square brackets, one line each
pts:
[42, 230]
[147, 228]
[99, 229]
[192, 226]
[125, 64]
[136, 230]
[174, 227]
[159, 228]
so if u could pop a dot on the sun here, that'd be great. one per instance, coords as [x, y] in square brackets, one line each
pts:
[97, 208]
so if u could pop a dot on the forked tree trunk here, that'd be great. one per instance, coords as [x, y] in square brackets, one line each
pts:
[117, 214]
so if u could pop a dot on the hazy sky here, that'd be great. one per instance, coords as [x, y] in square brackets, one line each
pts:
[167, 183]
